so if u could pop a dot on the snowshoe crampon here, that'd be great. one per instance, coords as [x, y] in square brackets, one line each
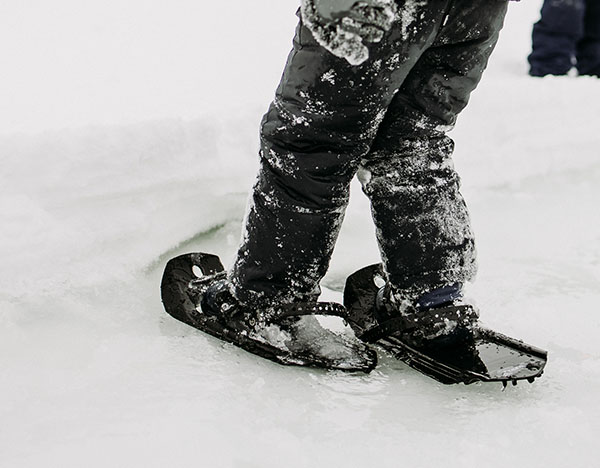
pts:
[488, 356]
[300, 340]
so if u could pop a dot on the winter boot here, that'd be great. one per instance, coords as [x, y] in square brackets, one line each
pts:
[436, 319]
[437, 324]
[290, 327]
[218, 302]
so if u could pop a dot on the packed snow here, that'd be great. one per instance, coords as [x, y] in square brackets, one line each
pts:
[129, 134]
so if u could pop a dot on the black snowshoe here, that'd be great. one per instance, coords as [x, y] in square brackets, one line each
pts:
[294, 338]
[469, 353]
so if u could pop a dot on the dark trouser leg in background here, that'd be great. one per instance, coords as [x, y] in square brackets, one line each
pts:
[588, 49]
[555, 37]
[323, 122]
[423, 226]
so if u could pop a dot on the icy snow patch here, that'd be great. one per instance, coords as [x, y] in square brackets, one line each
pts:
[308, 337]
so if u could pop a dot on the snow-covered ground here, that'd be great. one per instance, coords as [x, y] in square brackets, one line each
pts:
[128, 133]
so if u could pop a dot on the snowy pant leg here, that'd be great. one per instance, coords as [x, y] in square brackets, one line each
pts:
[555, 36]
[322, 121]
[423, 226]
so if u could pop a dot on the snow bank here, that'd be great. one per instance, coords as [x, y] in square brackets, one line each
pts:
[82, 205]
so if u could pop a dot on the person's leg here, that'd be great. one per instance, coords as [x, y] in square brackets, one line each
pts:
[423, 226]
[555, 37]
[588, 49]
[321, 123]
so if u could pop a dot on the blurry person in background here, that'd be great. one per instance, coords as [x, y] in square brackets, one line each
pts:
[566, 36]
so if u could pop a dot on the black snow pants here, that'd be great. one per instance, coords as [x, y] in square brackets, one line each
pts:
[567, 33]
[385, 119]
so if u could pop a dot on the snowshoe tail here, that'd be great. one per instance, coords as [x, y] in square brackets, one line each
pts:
[184, 282]
[490, 356]
[179, 299]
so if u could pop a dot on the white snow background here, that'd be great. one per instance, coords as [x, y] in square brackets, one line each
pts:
[129, 133]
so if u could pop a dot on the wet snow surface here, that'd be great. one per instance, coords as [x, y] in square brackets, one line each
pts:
[156, 157]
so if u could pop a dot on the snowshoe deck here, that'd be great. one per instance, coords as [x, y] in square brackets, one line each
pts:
[182, 289]
[490, 357]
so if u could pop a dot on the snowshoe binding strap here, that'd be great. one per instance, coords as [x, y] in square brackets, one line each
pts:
[204, 281]
[314, 308]
[461, 316]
